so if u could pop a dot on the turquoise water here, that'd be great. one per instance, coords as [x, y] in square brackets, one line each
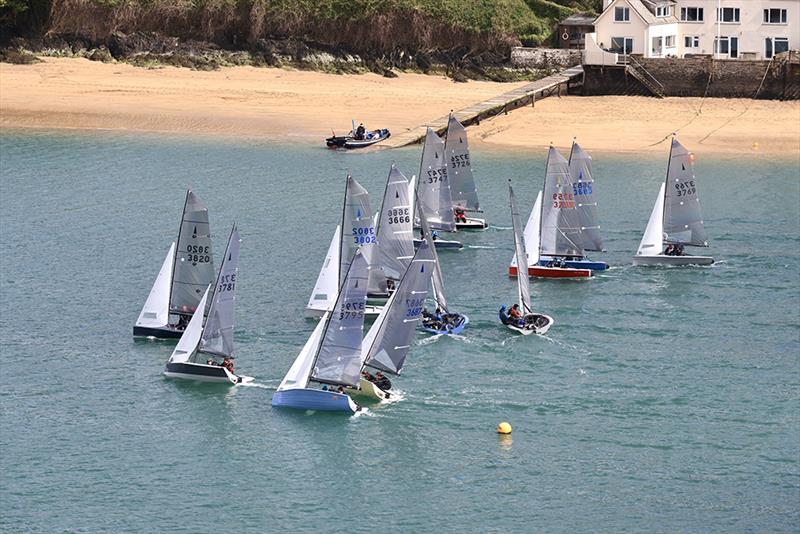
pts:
[662, 400]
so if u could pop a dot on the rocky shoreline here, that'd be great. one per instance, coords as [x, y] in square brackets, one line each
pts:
[153, 50]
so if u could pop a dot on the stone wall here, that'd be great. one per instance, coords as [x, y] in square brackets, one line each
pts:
[544, 58]
[699, 76]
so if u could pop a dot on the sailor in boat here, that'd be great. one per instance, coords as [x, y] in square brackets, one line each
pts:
[227, 363]
[460, 215]
[359, 134]
[515, 314]
[382, 382]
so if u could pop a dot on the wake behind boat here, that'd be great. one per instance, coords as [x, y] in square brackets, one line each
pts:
[209, 338]
[185, 273]
[520, 317]
[676, 220]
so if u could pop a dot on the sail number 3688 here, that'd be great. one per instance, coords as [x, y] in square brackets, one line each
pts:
[414, 307]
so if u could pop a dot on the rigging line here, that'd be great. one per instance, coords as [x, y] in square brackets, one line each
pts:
[746, 108]
[696, 114]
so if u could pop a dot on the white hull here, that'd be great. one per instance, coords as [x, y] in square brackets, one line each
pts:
[472, 223]
[368, 390]
[528, 331]
[672, 260]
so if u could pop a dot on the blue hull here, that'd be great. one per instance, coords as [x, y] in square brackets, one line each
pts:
[577, 264]
[314, 399]
[456, 330]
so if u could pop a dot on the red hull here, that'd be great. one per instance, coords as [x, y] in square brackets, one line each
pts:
[552, 272]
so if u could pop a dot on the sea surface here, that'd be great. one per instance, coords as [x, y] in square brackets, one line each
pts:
[662, 400]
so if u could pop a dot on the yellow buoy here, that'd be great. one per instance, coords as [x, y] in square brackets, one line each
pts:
[504, 428]
[755, 145]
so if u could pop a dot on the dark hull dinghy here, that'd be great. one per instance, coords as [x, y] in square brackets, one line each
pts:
[349, 141]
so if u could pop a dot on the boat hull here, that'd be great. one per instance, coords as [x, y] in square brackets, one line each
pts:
[545, 322]
[314, 399]
[472, 223]
[441, 244]
[203, 373]
[457, 329]
[369, 391]
[157, 332]
[552, 272]
[672, 260]
[576, 264]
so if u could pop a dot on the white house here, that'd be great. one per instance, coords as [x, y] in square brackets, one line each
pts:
[727, 29]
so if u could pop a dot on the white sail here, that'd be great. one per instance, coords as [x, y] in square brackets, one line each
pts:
[217, 335]
[187, 345]
[194, 265]
[437, 281]
[435, 199]
[323, 297]
[531, 234]
[459, 167]
[523, 285]
[395, 246]
[155, 312]
[386, 344]
[560, 223]
[652, 240]
[580, 169]
[297, 377]
[683, 219]
[358, 226]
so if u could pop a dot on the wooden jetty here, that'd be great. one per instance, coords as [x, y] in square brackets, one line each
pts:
[528, 94]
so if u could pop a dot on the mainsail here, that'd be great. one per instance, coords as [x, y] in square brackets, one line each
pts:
[395, 246]
[387, 342]
[560, 229]
[683, 220]
[433, 187]
[217, 335]
[193, 269]
[358, 227]
[459, 168]
[580, 170]
[436, 277]
[339, 359]
[523, 286]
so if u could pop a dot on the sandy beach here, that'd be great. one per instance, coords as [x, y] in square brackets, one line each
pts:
[305, 106]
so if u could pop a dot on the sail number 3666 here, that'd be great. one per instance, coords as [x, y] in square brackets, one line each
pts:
[398, 215]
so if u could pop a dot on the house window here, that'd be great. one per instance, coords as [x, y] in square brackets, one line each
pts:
[728, 14]
[662, 11]
[727, 46]
[622, 45]
[775, 45]
[656, 49]
[692, 14]
[691, 41]
[622, 14]
[669, 41]
[774, 16]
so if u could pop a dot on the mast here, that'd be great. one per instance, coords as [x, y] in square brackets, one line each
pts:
[341, 236]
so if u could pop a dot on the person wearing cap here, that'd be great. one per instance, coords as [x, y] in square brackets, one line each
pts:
[360, 131]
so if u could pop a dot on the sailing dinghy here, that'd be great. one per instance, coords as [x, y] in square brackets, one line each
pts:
[209, 339]
[332, 356]
[442, 321]
[462, 182]
[676, 220]
[387, 342]
[433, 193]
[359, 230]
[528, 322]
[185, 273]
